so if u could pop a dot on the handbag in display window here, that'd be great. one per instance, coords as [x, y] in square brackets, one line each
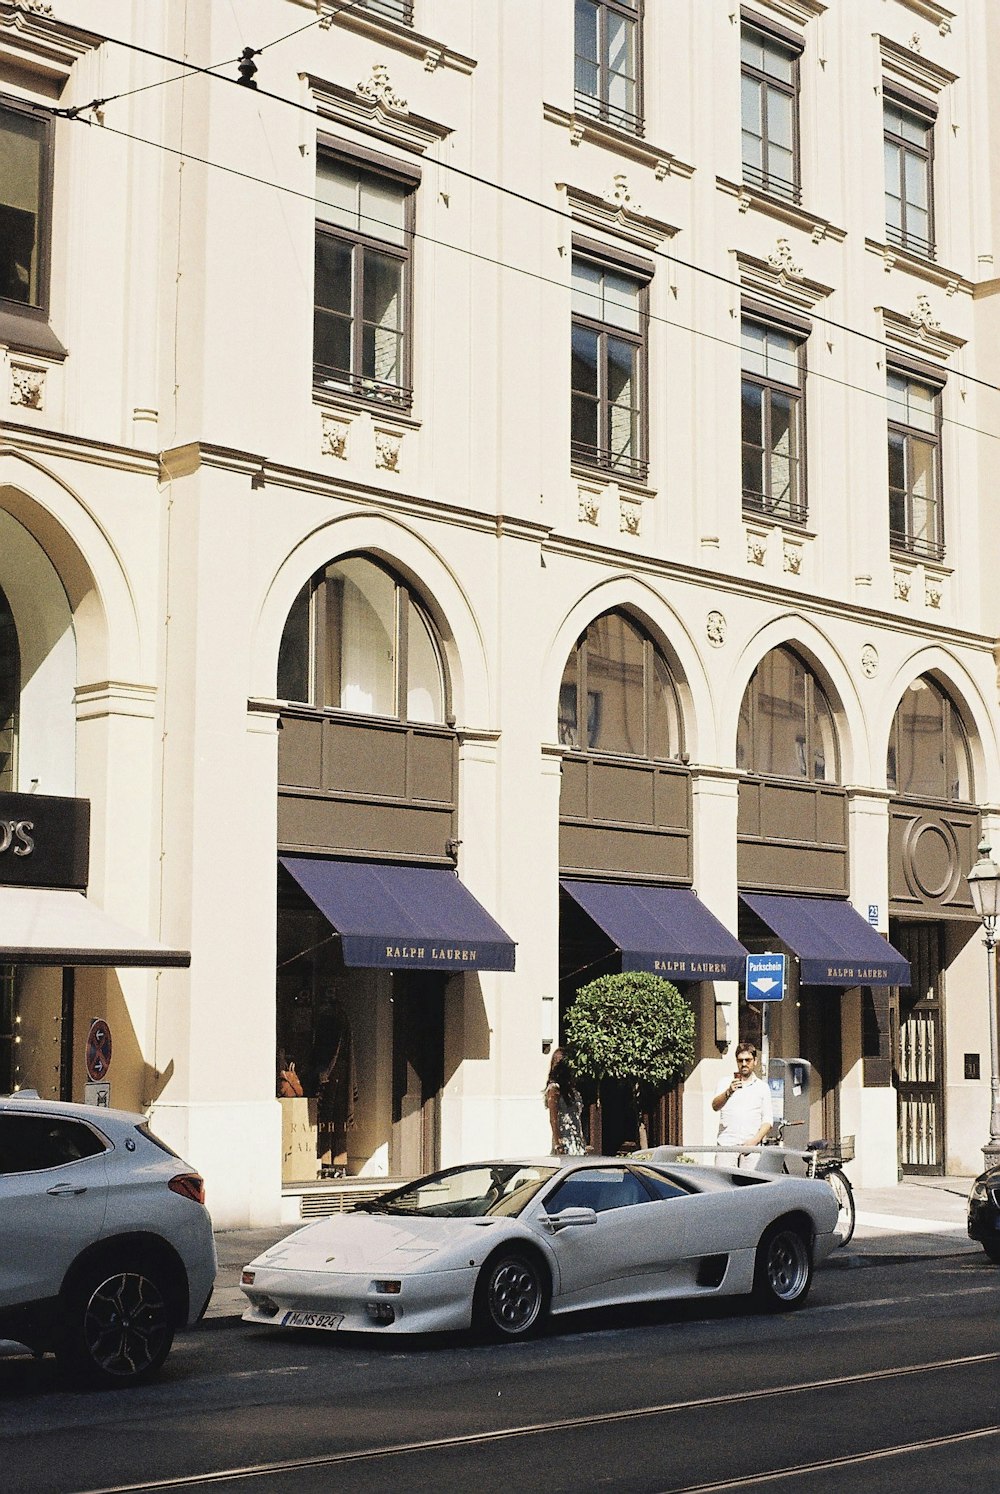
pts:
[290, 1085]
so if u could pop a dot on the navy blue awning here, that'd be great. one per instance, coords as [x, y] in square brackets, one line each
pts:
[402, 917]
[666, 930]
[834, 944]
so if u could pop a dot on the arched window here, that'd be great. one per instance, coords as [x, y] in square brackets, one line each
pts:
[618, 695]
[928, 753]
[10, 696]
[358, 640]
[786, 725]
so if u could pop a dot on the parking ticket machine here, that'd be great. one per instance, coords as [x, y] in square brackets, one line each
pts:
[789, 1080]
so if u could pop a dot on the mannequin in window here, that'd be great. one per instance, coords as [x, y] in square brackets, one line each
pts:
[336, 1086]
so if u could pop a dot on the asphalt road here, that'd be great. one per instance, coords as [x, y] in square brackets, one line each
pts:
[886, 1380]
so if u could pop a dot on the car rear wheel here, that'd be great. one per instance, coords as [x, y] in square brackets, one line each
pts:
[783, 1273]
[992, 1248]
[512, 1295]
[119, 1324]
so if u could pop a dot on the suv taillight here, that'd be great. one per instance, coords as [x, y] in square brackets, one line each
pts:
[189, 1185]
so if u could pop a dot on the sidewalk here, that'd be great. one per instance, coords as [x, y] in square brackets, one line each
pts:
[918, 1217]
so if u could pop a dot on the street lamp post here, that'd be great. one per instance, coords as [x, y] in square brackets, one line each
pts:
[984, 885]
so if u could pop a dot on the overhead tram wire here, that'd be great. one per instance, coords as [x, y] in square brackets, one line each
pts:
[512, 192]
[561, 285]
[193, 68]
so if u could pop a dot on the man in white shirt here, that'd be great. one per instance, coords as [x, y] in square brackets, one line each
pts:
[744, 1106]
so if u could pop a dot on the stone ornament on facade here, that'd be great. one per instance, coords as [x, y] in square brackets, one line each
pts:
[869, 661]
[40, 7]
[589, 509]
[782, 260]
[334, 439]
[793, 559]
[923, 316]
[630, 515]
[933, 593]
[27, 386]
[387, 448]
[715, 629]
[378, 88]
[756, 549]
[901, 586]
[619, 194]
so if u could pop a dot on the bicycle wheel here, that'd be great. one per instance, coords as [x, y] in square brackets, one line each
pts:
[844, 1194]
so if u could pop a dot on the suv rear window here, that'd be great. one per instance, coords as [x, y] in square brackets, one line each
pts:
[32, 1143]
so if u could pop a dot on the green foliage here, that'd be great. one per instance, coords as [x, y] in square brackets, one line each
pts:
[632, 1026]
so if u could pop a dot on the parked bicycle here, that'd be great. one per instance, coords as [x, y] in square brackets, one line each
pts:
[821, 1159]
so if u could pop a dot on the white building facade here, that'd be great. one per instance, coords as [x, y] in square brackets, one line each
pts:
[515, 465]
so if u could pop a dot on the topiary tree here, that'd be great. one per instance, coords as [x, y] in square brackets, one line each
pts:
[635, 1028]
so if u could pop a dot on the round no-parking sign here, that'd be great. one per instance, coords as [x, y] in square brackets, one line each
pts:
[98, 1049]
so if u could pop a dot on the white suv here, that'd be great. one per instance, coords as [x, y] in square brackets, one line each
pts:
[106, 1246]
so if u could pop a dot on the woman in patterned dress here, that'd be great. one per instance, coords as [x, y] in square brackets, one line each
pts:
[565, 1106]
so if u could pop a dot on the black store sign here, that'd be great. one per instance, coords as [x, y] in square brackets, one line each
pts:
[44, 841]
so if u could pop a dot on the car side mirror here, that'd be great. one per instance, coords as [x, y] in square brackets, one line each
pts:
[568, 1217]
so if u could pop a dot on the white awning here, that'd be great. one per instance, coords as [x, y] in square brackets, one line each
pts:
[51, 926]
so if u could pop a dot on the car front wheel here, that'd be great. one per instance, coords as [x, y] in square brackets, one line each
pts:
[512, 1295]
[992, 1248]
[119, 1325]
[783, 1273]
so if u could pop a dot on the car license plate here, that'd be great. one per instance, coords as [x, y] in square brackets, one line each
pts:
[312, 1320]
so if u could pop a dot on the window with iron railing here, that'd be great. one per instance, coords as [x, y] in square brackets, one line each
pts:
[909, 205]
[392, 10]
[914, 430]
[608, 61]
[770, 107]
[772, 422]
[608, 369]
[364, 232]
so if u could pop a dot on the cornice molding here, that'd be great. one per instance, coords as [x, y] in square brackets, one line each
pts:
[32, 40]
[616, 214]
[373, 108]
[919, 332]
[927, 270]
[582, 127]
[786, 212]
[395, 34]
[931, 11]
[910, 67]
[801, 12]
[784, 282]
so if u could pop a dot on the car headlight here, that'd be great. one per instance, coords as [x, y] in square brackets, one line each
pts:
[980, 1192]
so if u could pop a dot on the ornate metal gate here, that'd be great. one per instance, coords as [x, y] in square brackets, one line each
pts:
[919, 1068]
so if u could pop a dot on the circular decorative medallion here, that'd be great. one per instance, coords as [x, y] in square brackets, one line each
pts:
[869, 661]
[715, 628]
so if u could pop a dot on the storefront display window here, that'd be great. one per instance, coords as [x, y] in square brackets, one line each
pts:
[786, 727]
[357, 640]
[631, 701]
[928, 753]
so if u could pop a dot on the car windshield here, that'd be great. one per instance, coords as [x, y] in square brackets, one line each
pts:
[466, 1192]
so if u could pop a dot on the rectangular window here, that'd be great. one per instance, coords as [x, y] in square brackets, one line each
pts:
[772, 425]
[607, 80]
[24, 139]
[770, 109]
[364, 233]
[915, 520]
[909, 211]
[608, 368]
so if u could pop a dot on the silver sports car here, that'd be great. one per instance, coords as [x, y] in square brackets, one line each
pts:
[498, 1245]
